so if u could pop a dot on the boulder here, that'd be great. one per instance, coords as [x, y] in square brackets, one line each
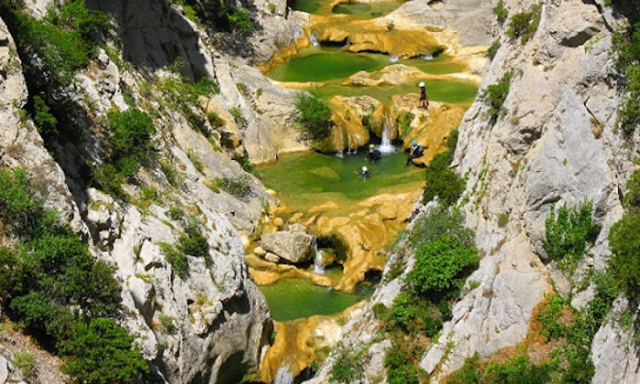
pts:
[293, 247]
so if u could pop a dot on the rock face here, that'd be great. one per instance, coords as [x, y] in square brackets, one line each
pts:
[210, 324]
[555, 141]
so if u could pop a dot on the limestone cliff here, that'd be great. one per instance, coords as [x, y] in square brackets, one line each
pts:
[210, 324]
[555, 141]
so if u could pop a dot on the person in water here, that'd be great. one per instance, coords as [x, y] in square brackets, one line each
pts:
[424, 103]
[414, 152]
[374, 154]
[364, 173]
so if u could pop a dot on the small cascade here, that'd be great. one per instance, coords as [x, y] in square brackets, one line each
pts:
[385, 145]
[393, 59]
[340, 154]
[283, 376]
[314, 40]
[427, 57]
[318, 266]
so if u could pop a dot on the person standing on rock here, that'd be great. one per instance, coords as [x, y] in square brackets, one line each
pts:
[424, 103]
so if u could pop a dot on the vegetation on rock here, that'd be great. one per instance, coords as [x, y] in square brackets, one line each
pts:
[567, 233]
[523, 25]
[627, 49]
[314, 116]
[445, 256]
[63, 296]
[441, 180]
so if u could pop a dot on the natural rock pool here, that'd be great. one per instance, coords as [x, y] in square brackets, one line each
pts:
[305, 180]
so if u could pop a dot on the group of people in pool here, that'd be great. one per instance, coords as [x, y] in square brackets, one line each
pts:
[374, 156]
[415, 151]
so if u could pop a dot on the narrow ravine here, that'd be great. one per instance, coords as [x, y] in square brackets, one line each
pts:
[373, 95]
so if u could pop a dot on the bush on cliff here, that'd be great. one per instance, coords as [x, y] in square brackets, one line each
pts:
[57, 287]
[314, 116]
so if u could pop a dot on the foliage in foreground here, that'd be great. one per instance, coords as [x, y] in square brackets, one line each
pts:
[445, 255]
[63, 296]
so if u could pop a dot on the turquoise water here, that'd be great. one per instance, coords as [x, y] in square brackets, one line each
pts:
[291, 299]
[332, 63]
[307, 179]
[366, 10]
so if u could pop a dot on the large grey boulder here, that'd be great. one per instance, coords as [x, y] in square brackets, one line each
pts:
[294, 247]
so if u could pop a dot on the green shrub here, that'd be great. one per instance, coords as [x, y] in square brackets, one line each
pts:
[550, 318]
[626, 45]
[567, 233]
[441, 267]
[496, 94]
[237, 186]
[19, 209]
[214, 119]
[400, 367]
[517, 370]
[501, 11]
[240, 20]
[129, 149]
[624, 262]
[404, 310]
[468, 374]
[63, 41]
[442, 182]
[438, 222]
[313, 116]
[26, 363]
[60, 287]
[193, 242]
[380, 311]
[404, 123]
[348, 367]
[238, 117]
[46, 123]
[493, 49]
[130, 140]
[177, 259]
[523, 25]
[182, 94]
[503, 219]
[103, 353]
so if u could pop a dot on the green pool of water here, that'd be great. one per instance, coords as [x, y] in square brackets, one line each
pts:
[291, 299]
[366, 10]
[448, 91]
[308, 179]
[317, 7]
[331, 63]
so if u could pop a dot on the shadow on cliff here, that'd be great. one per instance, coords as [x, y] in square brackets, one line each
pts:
[155, 35]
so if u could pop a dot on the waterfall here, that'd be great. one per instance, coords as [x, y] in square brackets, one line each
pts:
[340, 154]
[385, 145]
[318, 267]
[314, 40]
[283, 376]
[393, 58]
[427, 57]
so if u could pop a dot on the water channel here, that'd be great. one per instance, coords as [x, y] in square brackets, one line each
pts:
[306, 181]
